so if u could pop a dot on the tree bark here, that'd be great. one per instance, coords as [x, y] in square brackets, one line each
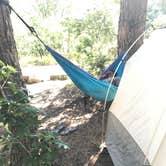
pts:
[131, 25]
[8, 51]
[8, 54]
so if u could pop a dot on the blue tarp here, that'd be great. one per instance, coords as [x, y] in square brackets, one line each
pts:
[84, 81]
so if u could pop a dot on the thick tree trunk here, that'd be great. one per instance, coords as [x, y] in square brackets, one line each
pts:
[8, 54]
[131, 24]
[8, 51]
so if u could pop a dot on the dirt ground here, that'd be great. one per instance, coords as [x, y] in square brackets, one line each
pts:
[69, 108]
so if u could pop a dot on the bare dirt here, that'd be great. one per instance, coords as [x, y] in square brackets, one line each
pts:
[69, 108]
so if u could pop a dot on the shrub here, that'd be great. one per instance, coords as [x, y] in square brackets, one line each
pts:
[20, 121]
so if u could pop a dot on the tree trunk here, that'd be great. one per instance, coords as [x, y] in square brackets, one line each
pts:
[8, 54]
[8, 51]
[131, 25]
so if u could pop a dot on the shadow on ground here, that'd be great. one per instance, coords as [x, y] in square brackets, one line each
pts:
[71, 109]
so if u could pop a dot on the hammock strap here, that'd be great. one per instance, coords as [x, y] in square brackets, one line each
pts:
[31, 29]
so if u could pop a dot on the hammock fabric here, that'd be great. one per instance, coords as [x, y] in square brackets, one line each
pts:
[84, 81]
[87, 83]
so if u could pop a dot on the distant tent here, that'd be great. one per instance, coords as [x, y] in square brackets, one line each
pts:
[136, 127]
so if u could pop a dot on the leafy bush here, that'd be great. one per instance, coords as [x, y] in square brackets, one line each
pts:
[80, 39]
[156, 14]
[89, 39]
[20, 121]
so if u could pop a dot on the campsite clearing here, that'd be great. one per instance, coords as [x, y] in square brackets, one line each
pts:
[67, 107]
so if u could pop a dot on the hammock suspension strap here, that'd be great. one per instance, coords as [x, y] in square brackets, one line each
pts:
[31, 29]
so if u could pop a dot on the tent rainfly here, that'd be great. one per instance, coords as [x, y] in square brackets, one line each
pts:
[136, 126]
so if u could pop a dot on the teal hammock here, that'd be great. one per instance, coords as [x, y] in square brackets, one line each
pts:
[84, 81]
[88, 84]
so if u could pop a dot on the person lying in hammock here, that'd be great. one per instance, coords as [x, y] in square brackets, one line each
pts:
[108, 78]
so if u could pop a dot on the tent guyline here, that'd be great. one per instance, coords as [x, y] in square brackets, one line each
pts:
[89, 85]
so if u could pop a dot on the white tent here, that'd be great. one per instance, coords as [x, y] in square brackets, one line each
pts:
[136, 127]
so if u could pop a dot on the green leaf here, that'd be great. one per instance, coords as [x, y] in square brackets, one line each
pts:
[1, 64]
[61, 144]
[11, 69]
